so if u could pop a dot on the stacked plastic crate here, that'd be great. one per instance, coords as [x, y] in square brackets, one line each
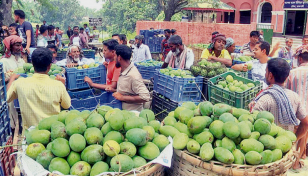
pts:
[83, 97]
[5, 128]
[153, 39]
[171, 92]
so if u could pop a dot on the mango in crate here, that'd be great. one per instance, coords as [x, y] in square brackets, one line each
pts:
[85, 66]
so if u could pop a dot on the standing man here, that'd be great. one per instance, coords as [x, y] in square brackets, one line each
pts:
[69, 32]
[123, 39]
[52, 37]
[39, 96]
[25, 31]
[42, 40]
[284, 104]
[116, 37]
[83, 37]
[164, 44]
[295, 60]
[180, 56]
[59, 33]
[86, 30]
[76, 39]
[54, 50]
[247, 49]
[173, 32]
[44, 23]
[286, 52]
[13, 29]
[37, 31]
[113, 72]
[12, 60]
[141, 51]
[298, 78]
[258, 70]
[130, 89]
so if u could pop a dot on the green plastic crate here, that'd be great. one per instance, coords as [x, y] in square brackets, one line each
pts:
[235, 99]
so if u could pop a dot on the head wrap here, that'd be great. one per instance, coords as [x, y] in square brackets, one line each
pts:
[216, 37]
[71, 60]
[229, 42]
[301, 49]
[8, 41]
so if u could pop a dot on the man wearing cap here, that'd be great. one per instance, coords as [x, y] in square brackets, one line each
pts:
[217, 51]
[180, 56]
[12, 60]
[141, 51]
[12, 57]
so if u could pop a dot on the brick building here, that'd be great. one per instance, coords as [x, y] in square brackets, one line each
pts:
[285, 17]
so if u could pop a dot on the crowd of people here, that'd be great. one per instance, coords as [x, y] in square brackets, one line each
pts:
[284, 85]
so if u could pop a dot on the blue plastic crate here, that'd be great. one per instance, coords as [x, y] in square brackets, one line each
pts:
[178, 89]
[89, 98]
[5, 127]
[61, 55]
[1, 171]
[2, 85]
[75, 77]
[89, 54]
[147, 72]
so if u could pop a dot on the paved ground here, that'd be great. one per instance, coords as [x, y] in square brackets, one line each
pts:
[301, 172]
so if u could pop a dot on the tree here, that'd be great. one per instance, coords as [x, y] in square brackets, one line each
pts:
[5, 12]
[172, 7]
[6, 9]
[120, 16]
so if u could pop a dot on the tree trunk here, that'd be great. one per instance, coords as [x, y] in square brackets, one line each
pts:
[6, 12]
[168, 14]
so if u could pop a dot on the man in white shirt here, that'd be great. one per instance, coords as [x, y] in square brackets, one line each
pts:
[141, 51]
[74, 57]
[12, 60]
[180, 56]
[261, 52]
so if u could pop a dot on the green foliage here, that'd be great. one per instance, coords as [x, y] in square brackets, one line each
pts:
[122, 15]
[61, 14]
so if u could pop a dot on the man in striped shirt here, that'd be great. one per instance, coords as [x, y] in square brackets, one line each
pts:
[298, 79]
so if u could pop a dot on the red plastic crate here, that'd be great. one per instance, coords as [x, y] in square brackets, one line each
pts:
[8, 161]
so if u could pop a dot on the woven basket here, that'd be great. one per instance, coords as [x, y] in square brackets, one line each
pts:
[147, 170]
[187, 164]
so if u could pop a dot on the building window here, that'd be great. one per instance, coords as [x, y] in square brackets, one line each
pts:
[245, 17]
[266, 13]
[229, 18]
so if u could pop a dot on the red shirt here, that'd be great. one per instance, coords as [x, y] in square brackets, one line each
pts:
[166, 48]
[113, 72]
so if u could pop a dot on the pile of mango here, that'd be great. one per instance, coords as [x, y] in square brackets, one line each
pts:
[176, 73]
[228, 135]
[244, 58]
[151, 62]
[85, 66]
[28, 69]
[90, 143]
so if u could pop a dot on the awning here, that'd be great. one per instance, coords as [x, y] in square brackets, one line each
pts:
[209, 6]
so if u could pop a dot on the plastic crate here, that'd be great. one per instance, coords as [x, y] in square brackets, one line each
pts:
[89, 54]
[75, 77]
[2, 86]
[61, 55]
[205, 89]
[236, 99]
[8, 160]
[147, 72]
[178, 89]
[4, 116]
[162, 106]
[88, 99]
